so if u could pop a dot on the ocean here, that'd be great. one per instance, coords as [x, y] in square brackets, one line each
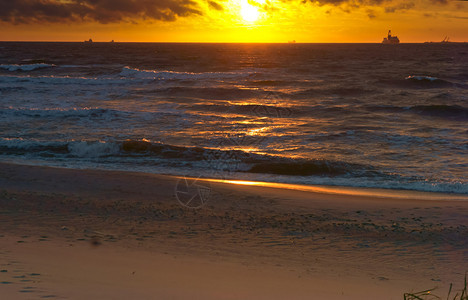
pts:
[360, 115]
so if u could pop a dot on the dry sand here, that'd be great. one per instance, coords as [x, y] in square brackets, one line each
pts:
[87, 234]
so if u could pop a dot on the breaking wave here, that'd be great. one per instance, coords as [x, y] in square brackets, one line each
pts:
[420, 82]
[30, 67]
[172, 75]
[244, 161]
[60, 80]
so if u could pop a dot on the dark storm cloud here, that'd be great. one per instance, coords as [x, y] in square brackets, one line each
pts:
[401, 6]
[268, 6]
[447, 1]
[358, 3]
[103, 11]
[349, 5]
[215, 5]
[371, 14]
[355, 3]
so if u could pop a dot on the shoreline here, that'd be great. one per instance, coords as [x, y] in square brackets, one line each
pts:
[350, 190]
[347, 190]
[248, 241]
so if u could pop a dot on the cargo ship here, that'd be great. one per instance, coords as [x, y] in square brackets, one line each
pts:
[390, 39]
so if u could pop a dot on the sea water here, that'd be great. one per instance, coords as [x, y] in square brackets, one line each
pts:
[367, 115]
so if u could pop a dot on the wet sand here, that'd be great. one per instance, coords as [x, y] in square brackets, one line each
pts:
[75, 234]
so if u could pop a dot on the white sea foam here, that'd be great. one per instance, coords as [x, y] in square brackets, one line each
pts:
[172, 75]
[29, 67]
[93, 148]
[27, 144]
[58, 112]
[60, 80]
[421, 78]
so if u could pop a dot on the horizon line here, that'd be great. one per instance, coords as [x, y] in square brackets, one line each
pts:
[159, 42]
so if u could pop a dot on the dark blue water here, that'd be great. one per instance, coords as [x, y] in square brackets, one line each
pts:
[371, 115]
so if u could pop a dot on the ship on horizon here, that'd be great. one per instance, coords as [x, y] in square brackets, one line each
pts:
[390, 39]
[446, 40]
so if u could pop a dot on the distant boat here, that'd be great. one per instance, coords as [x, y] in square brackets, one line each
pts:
[112, 41]
[446, 40]
[89, 41]
[292, 42]
[390, 39]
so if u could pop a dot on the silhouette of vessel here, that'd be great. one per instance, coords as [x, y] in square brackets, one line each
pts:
[446, 40]
[89, 41]
[390, 39]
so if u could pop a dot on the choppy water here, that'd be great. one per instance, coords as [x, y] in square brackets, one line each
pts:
[371, 115]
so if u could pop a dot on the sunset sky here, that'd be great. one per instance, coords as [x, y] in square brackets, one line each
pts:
[232, 20]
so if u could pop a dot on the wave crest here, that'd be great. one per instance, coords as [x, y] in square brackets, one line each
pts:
[173, 75]
[427, 82]
[24, 68]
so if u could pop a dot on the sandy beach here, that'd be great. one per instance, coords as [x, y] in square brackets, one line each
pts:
[90, 234]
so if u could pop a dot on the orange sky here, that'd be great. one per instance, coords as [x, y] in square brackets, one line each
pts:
[232, 20]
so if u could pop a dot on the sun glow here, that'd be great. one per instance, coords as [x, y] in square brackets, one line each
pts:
[249, 12]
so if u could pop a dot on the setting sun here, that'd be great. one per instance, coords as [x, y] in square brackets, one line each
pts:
[249, 12]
